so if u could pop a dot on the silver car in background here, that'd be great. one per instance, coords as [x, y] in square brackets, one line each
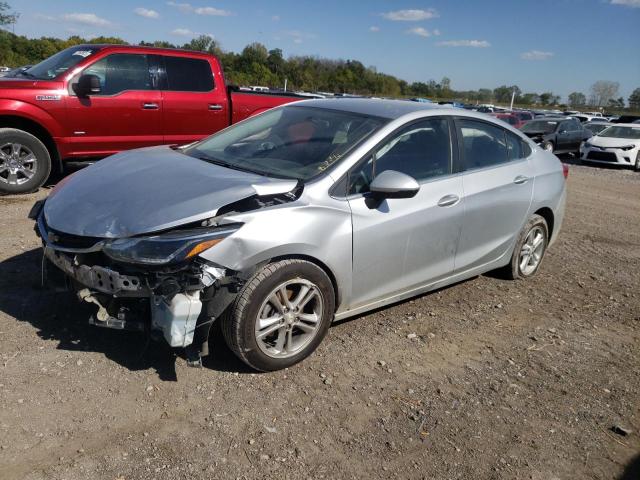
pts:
[307, 213]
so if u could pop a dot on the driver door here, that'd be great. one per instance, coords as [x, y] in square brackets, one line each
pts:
[126, 114]
[404, 243]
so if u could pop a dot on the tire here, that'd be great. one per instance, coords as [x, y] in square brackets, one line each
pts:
[636, 166]
[259, 299]
[548, 146]
[514, 270]
[21, 155]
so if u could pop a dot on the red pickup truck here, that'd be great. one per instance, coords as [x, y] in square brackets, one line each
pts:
[90, 101]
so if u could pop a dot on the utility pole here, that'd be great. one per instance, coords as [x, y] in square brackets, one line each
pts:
[513, 96]
[285, 84]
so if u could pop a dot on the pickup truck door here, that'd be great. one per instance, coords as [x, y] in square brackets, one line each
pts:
[195, 102]
[126, 114]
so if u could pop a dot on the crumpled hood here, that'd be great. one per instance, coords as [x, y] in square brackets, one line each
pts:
[148, 190]
[611, 142]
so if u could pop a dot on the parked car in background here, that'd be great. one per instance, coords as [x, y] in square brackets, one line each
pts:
[523, 115]
[15, 72]
[509, 118]
[593, 114]
[90, 101]
[556, 134]
[596, 127]
[4, 71]
[618, 144]
[626, 119]
[307, 213]
[583, 117]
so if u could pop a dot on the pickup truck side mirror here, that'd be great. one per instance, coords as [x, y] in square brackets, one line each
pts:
[393, 184]
[88, 85]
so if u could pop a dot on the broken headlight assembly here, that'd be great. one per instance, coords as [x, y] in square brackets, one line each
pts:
[167, 248]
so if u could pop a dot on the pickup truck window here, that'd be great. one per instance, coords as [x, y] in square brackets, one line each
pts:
[60, 62]
[120, 72]
[188, 74]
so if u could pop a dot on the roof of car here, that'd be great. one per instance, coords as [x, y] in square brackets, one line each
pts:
[390, 109]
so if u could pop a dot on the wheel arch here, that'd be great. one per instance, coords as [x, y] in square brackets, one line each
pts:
[547, 214]
[320, 264]
[37, 130]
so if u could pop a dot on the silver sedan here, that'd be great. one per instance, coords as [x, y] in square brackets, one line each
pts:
[308, 213]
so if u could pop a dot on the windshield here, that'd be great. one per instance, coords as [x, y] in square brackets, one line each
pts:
[291, 142]
[621, 132]
[59, 63]
[596, 127]
[544, 126]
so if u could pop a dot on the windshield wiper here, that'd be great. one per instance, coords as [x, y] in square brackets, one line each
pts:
[232, 166]
[26, 74]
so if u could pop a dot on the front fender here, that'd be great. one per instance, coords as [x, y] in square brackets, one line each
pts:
[34, 113]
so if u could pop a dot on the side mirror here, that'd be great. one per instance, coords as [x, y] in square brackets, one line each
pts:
[562, 131]
[393, 184]
[88, 85]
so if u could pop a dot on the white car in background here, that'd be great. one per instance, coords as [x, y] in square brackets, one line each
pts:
[617, 145]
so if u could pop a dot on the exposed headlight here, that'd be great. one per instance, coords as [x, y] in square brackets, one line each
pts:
[167, 248]
[586, 145]
[627, 147]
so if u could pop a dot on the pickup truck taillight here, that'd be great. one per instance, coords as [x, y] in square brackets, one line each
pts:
[565, 170]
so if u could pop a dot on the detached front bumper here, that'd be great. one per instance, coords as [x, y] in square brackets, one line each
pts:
[610, 156]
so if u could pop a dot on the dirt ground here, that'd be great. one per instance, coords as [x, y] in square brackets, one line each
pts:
[503, 380]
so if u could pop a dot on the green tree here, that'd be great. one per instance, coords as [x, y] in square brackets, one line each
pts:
[634, 100]
[577, 99]
[6, 16]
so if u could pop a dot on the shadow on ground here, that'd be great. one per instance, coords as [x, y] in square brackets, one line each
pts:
[63, 318]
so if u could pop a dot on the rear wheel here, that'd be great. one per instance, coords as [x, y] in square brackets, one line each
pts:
[529, 250]
[636, 167]
[548, 146]
[25, 163]
[281, 315]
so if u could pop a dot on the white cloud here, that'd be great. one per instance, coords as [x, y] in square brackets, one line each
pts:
[411, 15]
[145, 12]
[374, 29]
[275, 18]
[298, 36]
[183, 7]
[48, 18]
[183, 32]
[436, 32]
[421, 32]
[464, 43]
[627, 3]
[536, 55]
[87, 19]
[216, 12]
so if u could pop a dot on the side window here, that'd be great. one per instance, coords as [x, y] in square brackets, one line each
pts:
[421, 150]
[514, 146]
[483, 144]
[565, 126]
[188, 74]
[526, 149]
[121, 72]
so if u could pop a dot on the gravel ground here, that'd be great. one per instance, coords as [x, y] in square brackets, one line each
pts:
[487, 379]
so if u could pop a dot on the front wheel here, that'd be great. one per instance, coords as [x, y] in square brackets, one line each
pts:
[548, 146]
[25, 163]
[281, 315]
[529, 250]
[636, 166]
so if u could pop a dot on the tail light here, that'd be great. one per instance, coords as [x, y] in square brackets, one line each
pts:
[565, 170]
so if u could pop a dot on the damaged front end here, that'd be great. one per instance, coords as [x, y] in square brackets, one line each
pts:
[153, 283]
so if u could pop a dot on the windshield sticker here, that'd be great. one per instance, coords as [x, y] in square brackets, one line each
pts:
[83, 53]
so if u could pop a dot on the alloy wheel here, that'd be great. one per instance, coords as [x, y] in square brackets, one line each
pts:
[532, 250]
[18, 164]
[289, 318]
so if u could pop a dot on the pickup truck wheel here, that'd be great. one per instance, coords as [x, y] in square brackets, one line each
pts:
[25, 163]
[281, 315]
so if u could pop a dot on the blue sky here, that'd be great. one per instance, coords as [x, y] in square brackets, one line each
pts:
[540, 45]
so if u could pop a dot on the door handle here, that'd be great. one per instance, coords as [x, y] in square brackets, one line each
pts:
[520, 179]
[448, 200]
[215, 106]
[150, 106]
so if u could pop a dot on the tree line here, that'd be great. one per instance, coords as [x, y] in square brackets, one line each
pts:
[257, 65]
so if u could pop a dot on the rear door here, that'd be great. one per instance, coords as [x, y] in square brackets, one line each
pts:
[126, 114]
[498, 187]
[195, 105]
[565, 136]
[403, 243]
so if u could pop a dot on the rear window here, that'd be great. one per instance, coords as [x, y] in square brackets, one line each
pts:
[188, 74]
